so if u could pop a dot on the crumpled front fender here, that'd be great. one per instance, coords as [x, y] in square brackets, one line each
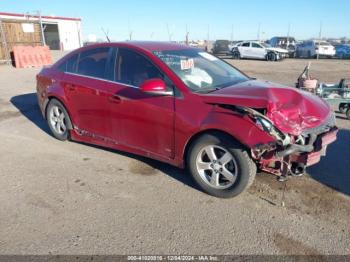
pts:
[241, 127]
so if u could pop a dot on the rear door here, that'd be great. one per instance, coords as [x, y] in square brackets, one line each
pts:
[86, 87]
[141, 121]
[244, 49]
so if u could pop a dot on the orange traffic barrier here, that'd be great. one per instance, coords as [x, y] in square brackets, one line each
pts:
[31, 56]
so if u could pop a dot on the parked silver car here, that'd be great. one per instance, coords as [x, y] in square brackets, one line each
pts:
[258, 50]
[312, 48]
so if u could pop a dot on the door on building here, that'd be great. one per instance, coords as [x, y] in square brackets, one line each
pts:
[52, 37]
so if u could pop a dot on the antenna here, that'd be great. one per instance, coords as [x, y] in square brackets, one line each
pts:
[106, 34]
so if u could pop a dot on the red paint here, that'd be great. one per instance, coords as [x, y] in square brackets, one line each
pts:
[140, 121]
[36, 16]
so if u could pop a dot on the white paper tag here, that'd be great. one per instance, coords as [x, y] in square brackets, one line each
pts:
[187, 64]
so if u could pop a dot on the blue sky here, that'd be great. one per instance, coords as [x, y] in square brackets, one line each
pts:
[149, 19]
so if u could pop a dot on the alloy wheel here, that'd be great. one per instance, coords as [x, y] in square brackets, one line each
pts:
[217, 167]
[57, 120]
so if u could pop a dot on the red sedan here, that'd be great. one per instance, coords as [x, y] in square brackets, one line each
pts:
[185, 107]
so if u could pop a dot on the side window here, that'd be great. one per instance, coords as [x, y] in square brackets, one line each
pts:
[133, 69]
[247, 44]
[69, 65]
[256, 45]
[93, 62]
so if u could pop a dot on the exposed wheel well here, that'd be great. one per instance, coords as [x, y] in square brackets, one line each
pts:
[204, 132]
[49, 98]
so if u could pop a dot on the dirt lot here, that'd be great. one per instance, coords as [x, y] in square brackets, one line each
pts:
[69, 198]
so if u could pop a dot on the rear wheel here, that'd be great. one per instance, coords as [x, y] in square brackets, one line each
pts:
[220, 166]
[343, 108]
[348, 113]
[58, 120]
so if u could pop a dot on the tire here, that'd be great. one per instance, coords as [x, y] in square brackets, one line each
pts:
[58, 120]
[343, 108]
[236, 55]
[237, 162]
[271, 57]
[348, 113]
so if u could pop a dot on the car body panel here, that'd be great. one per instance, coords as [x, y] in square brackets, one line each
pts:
[120, 116]
[253, 49]
[313, 48]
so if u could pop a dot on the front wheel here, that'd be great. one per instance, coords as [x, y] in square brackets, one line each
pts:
[271, 57]
[220, 166]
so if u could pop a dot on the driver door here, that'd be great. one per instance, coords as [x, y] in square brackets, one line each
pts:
[141, 121]
[258, 51]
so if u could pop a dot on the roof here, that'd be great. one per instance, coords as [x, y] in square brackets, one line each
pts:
[36, 16]
[155, 46]
[149, 46]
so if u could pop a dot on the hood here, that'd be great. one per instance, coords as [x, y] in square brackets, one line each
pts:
[277, 49]
[290, 109]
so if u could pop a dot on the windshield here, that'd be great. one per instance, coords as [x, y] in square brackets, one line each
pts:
[265, 45]
[201, 71]
[322, 43]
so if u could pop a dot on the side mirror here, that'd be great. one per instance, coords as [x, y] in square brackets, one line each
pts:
[155, 86]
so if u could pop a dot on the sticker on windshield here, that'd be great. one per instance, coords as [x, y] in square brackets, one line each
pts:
[207, 56]
[187, 64]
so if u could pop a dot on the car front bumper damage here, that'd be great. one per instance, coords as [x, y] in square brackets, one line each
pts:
[301, 151]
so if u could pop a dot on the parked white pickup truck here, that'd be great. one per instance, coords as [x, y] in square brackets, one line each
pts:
[258, 50]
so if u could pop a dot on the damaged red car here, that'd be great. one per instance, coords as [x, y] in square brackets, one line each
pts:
[183, 106]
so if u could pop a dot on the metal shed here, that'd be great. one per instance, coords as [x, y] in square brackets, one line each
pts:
[59, 33]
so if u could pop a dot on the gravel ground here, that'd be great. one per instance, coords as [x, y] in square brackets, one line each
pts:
[70, 198]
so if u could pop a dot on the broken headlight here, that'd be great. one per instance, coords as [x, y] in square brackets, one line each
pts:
[263, 124]
[266, 125]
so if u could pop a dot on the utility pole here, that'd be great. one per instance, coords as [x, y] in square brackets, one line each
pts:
[258, 35]
[288, 34]
[208, 37]
[319, 39]
[187, 33]
[232, 33]
[169, 34]
[41, 27]
[130, 30]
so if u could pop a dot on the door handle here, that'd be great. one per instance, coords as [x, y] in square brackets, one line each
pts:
[115, 99]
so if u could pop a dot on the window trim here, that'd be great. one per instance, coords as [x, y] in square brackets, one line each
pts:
[101, 79]
[172, 85]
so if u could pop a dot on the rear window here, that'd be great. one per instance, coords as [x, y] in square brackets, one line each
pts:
[322, 44]
[69, 65]
[93, 62]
